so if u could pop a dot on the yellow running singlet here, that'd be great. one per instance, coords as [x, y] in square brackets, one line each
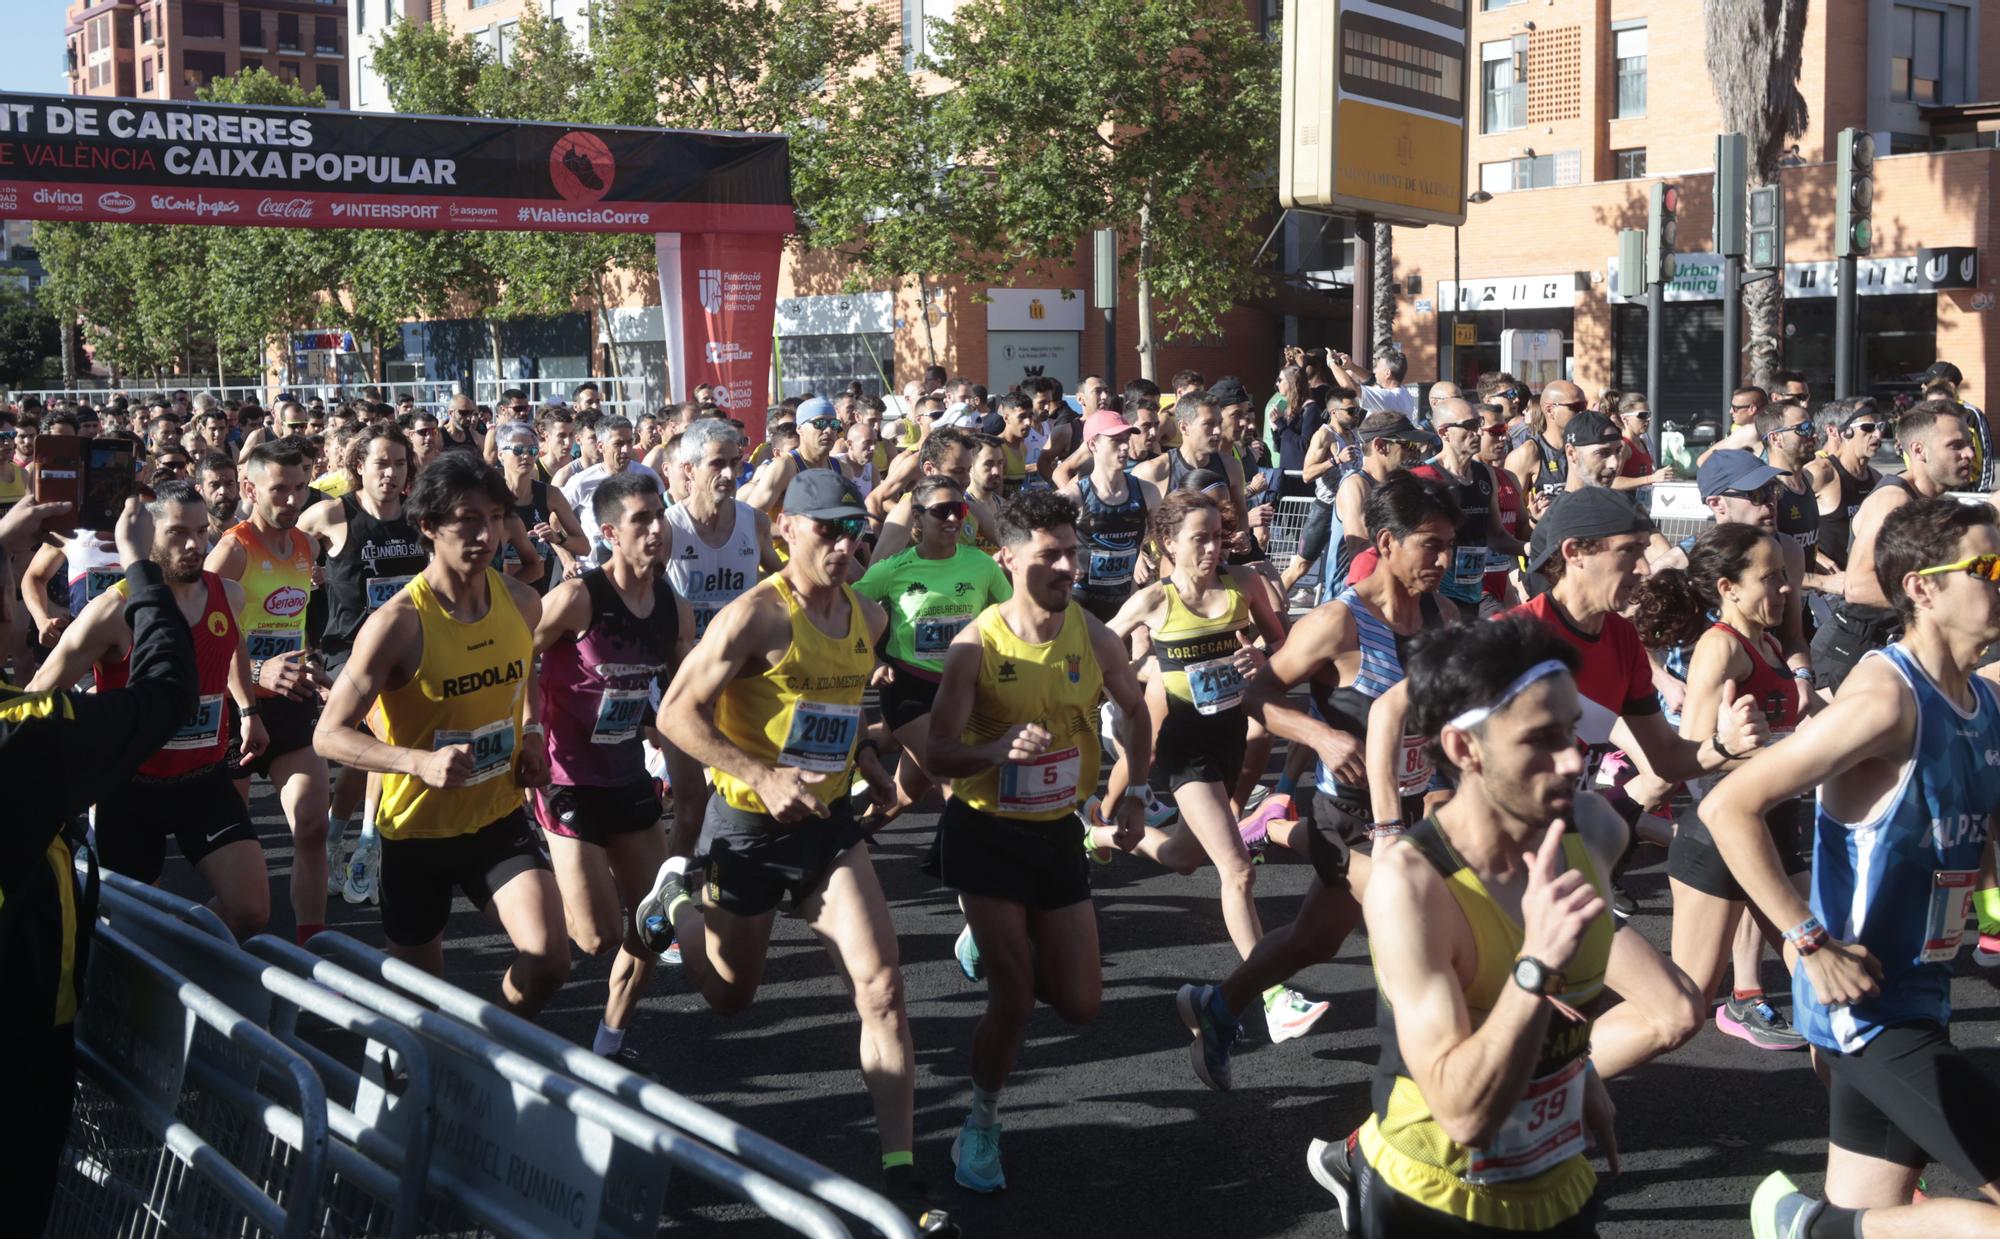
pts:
[469, 688]
[1195, 652]
[1057, 684]
[275, 592]
[805, 711]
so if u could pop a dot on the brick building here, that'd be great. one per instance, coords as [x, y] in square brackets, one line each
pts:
[168, 49]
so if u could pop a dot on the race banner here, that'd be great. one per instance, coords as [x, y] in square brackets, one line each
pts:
[152, 162]
[719, 293]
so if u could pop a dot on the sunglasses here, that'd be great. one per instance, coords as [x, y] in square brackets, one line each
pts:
[295, 425]
[951, 510]
[1804, 430]
[1495, 431]
[1746, 408]
[519, 449]
[1763, 496]
[1574, 406]
[825, 423]
[1864, 428]
[7, 436]
[844, 527]
[1641, 416]
[1470, 424]
[423, 430]
[1985, 567]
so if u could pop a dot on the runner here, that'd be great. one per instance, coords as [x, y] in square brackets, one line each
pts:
[273, 561]
[183, 789]
[819, 429]
[1541, 464]
[551, 524]
[1333, 453]
[1790, 441]
[1389, 444]
[1902, 763]
[1842, 478]
[1508, 508]
[771, 702]
[451, 658]
[1492, 939]
[950, 454]
[605, 639]
[1113, 507]
[1480, 534]
[1013, 727]
[1200, 422]
[614, 445]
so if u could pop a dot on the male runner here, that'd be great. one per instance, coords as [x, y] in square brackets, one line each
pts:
[1474, 487]
[1745, 403]
[819, 429]
[1200, 422]
[614, 445]
[1112, 507]
[770, 701]
[1334, 452]
[1013, 725]
[1790, 438]
[274, 562]
[947, 453]
[184, 788]
[1841, 479]
[451, 659]
[1902, 762]
[1541, 464]
[606, 638]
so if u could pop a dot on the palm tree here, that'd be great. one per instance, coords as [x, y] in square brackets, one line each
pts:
[1383, 331]
[1755, 49]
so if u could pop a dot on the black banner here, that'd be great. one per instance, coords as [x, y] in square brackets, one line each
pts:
[143, 161]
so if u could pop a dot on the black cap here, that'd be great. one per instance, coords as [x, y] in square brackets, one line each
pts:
[823, 494]
[1229, 390]
[1588, 429]
[1383, 424]
[1593, 512]
[1942, 370]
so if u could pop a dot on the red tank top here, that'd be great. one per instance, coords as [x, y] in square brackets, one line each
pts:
[1777, 693]
[200, 742]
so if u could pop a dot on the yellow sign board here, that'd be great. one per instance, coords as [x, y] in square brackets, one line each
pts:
[1464, 334]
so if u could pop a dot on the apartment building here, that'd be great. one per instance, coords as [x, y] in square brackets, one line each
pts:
[168, 49]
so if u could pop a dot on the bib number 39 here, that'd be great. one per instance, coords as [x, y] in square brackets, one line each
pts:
[822, 736]
[1544, 1128]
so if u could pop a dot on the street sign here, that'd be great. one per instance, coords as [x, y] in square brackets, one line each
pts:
[1464, 334]
[1384, 133]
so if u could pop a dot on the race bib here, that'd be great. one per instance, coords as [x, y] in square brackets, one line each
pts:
[267, 643]
[1112, 567]
[1215, 685]
[619, 713]
[1951, 901]
[1544, 1128]
[202, 728]
[382, 588]
[702, 615]
[492, 748]
[1043, 785]
[1413, 766]
[822, 736]
[1468, 566]
[97, 580]
[933, 636]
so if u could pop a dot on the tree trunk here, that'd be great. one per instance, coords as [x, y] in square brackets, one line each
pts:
[1384, 308]
[220, 369]
[924, 317]
[69, 353]
[1149, 346]
[499, 374]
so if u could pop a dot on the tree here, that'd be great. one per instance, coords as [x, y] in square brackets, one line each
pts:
[30, 340]
[1382, 326]
[1159, 119]
[1755, 52]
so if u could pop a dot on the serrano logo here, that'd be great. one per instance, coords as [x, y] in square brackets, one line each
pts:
[473, 681]
[117, 203]
[288, 600]
[581, 166]
[285, 208]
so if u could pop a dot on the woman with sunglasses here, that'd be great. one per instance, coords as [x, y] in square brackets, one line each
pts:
[931, 591]
[551, 523]
[1728, 605]
[1636, 472]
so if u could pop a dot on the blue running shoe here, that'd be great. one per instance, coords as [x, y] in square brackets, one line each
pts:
[1213, 1038]
[966, 952]
[975, 1158]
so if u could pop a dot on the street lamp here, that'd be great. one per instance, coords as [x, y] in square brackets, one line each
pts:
[1476, 197]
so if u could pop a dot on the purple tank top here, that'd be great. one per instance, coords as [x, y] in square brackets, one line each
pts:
[597, 690]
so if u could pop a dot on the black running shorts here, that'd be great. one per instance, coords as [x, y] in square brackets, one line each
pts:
[202, 811]
[1911, 1097]
[1381, 1212]
[1339, 827]
[290, 725]
[1037, 864]
[906, 699]
[1193, 747]
[594, 814]
[751, 861]
[1694, 859]
[418, 875]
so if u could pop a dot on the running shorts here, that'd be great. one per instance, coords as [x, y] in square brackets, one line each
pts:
[751, 861]
[1841, 644]
[201, 810]
[906, 699]
[1035, 864]
[1381, 1212]
[1694, 859]
[1339, 827]
[1193, 747]
[594, 814]
[418, 875]
[1911, 1097]
[290, 725]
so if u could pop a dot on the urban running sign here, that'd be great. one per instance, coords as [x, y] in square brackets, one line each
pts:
[146, 162]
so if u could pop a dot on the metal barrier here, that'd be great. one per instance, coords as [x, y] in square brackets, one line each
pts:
[617, 393]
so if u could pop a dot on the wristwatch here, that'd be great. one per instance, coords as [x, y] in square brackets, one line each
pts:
[1538, 978]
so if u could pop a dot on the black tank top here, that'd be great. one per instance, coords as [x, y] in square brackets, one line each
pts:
[1552, 474]
[378, 558]
[1178, 467]
[1798, 518]
[1111, 533]
[1862, 612]
[1836, 528]
[532, 513]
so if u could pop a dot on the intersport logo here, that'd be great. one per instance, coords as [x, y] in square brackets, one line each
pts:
[117, 203]
[285, 208]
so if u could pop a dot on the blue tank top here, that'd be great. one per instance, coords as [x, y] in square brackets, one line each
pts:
[1110, 533]
[1902, 884]
[1381, 670]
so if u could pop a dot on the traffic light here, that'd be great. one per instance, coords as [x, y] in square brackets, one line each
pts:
[1767, 229]
[1660, 232]
[1854, 195]
[1732, 178]
[1631, 281]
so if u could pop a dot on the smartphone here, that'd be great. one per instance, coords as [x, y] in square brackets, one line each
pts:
[59, 478]
[109, 479]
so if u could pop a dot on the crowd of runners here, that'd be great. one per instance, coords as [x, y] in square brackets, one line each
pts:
[634, 687]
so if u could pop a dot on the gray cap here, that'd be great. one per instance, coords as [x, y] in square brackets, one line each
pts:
[1593, 512]
[823, 494]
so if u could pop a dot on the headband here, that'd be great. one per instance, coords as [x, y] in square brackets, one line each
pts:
[1479, 714]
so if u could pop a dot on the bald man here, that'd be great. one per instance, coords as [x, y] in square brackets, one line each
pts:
[1541, 464]
[1440, 392]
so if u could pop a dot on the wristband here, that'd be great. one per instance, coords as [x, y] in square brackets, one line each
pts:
[1388, 828]
[1716, 740]
[1807, 936]
[532, 729]
[257, 672]
[253, 710]
[1141, 792]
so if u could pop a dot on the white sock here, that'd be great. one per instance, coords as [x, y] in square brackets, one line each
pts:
[985, 1108]
[608, 1040]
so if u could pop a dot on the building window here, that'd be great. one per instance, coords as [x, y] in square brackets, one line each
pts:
[1628, 165]
[1629, 54]
[1503, 67]
[1532, 172]
[477, 4]
[200, 68]
[505, 36]
[329, 82]
[921, 19]
[1487, 6]
[146, 76]
[287, 72]
[250, 28]
[145, 25]
[288, 32]
[201, 21]
[326, 36]
[1917, 53]
[361, 71]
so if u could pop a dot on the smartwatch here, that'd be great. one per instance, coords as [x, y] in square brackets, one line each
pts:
[1537, 978]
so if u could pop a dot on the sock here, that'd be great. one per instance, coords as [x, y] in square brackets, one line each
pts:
[1987, 904]
[368, 807]
[674, 910]
[1745, 995]
[336, 830]
[892, 1160]
[1832, 1222]
[306, 932]
[1287, 785]
[1218, 1008]
[608, 1040]
[1271, 996]
[985, 1108]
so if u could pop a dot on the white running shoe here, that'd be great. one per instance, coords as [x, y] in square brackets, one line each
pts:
[364, 872]
[1291, 1014]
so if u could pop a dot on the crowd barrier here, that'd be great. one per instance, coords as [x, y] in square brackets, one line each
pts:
[267, 1090]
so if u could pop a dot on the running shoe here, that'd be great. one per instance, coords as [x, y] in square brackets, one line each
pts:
[1987, 953]
[975, 1158]
[656, 930]
[671, 957]
[1213, 1038]
[336, 857]
[1756, 1021]
[1623, 906]
[1256, 828]
[1159, 812]
[1332, 1165]
[364, 872]
[966, 952]
[1289, 1014]
[1780, 1210]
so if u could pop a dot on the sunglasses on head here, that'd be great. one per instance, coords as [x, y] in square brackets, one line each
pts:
[950, 510]
[841, 527]
[1985, 567]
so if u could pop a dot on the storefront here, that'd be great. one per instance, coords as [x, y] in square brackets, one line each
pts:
[826, 343]
[1032, 333]
[1470, 337]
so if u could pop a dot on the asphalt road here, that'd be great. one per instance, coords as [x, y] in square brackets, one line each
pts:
[1107, 1130]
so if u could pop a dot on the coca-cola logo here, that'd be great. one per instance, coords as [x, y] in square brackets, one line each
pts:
[285, 208]
[117, 203]
[287, 601]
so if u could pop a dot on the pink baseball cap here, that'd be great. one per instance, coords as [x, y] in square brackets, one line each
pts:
[1105, 422]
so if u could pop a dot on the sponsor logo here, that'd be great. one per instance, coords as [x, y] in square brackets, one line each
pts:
[384, 210]
[1007, 674]
[708, 285]
[1993, 757]
[59, 198]
[287, 600]
[602, 217]
[474, 212]
[581, 166]
[1073, 664]
[473, 681]
[218, 624]
[719, 351]
[117, 203]
[285, 208]
[197, 206]
[10, 199]
[478, 645]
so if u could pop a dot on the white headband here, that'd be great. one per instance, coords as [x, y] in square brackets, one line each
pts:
[1479, 714]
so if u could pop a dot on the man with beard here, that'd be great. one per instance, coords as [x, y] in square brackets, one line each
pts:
[184, 788]
[273, 561]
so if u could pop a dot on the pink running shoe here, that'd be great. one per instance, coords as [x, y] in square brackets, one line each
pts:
[1256, 829]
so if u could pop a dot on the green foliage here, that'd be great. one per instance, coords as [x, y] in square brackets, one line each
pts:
[30, 341]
